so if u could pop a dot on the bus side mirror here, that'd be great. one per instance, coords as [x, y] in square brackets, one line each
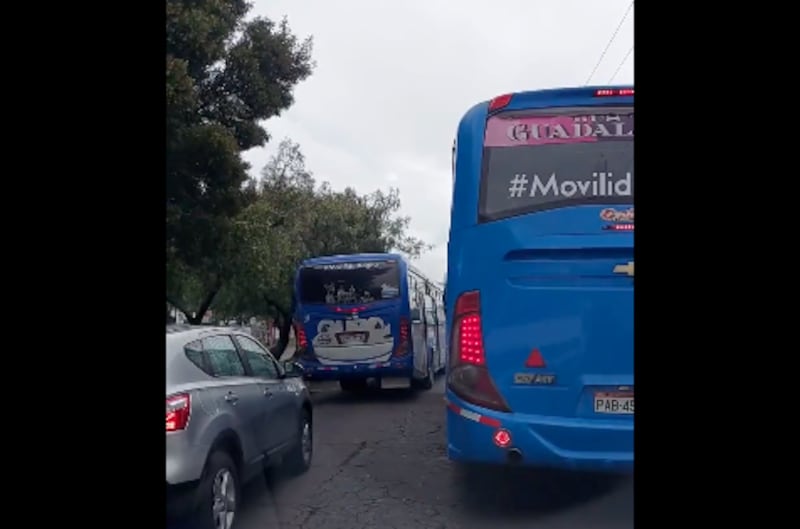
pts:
[415, 315]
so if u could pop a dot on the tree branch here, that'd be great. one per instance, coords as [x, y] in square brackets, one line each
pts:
[208, 300]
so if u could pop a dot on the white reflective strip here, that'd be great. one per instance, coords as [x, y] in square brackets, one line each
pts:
[471, 415]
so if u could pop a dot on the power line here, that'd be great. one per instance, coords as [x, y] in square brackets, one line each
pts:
[608, 45]
[630, 50]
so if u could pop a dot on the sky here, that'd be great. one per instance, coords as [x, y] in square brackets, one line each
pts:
[393, 79]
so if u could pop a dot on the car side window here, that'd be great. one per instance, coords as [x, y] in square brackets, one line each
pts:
[222, 356]
[261, 362]
[194, 352]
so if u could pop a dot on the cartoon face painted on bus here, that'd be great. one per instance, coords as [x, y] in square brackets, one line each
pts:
[365, 338]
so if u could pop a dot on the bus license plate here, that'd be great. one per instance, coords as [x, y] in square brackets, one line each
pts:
[613, 403]
[349, 338]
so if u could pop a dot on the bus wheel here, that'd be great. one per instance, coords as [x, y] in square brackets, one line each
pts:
[353, 385]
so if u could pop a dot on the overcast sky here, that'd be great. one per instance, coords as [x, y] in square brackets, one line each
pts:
[394, 78]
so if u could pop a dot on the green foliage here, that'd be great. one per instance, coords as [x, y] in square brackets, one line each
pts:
[293, 219]
[231, 241]
[224, 76]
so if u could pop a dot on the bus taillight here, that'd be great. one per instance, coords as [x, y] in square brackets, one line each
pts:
[402, 345]
[500, 102]
[469, 376]
[300, 334]
[613, 92]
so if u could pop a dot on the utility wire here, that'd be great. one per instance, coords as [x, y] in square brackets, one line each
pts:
[608, 45]
[630, 50]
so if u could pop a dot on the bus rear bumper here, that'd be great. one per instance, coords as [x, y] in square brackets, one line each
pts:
[319, 372]
[592, 445]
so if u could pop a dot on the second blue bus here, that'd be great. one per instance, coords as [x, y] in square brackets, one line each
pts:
[368, 316]
[540, 281]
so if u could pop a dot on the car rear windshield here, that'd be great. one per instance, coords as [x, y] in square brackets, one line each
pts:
[546, 159]
[346, 283]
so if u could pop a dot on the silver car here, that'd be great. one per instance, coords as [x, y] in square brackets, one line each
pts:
[232, 412]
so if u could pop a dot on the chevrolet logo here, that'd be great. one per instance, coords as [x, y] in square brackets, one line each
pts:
[624, 269]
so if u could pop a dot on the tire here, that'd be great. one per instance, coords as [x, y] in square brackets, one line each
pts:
[299, 458]
[220, 479]
[353, 385]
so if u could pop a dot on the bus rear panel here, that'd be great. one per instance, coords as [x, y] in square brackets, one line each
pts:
[368, 316]
[540, 282]
[349, 321]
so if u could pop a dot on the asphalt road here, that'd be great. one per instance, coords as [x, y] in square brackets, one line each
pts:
[380, 462]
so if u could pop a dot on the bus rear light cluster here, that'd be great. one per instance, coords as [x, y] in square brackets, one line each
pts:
[300, 334]
[614, 92]
[401, 350]
[500, 102]
[468, 376]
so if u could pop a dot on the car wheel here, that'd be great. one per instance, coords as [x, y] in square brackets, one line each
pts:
[299, 459]
[218, 494]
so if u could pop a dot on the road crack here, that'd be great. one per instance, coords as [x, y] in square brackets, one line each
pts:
[313, 510]
[361, 446]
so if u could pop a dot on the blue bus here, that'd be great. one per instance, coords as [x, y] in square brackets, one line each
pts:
[539, 292]
[368, 316]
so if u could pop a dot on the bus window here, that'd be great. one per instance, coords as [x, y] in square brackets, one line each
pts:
[349, 283]
[522, 173]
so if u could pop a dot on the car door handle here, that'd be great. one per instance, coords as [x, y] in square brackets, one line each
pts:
[231, 398]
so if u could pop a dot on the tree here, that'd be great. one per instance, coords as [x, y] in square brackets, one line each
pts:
[292, 219]
[270, 234]
[224, 76]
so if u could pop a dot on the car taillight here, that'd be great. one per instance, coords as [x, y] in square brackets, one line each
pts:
[300, 334]
[401, 349]
[178, 409]
[469, 376]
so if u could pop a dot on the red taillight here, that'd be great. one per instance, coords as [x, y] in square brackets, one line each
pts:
[300, 335]
[613, 92]
[470, 347]
[500, 102]
[469, 376]
[178, 409]
[502, 438]
[402, 344]
[468, 302]
[352, 310]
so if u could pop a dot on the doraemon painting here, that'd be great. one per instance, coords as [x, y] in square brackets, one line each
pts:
[353, 340]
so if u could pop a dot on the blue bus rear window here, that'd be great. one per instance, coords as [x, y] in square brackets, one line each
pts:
[544, 160]
[346, 283]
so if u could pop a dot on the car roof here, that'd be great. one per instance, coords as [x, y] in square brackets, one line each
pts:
[197, 330]
[179, 368]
